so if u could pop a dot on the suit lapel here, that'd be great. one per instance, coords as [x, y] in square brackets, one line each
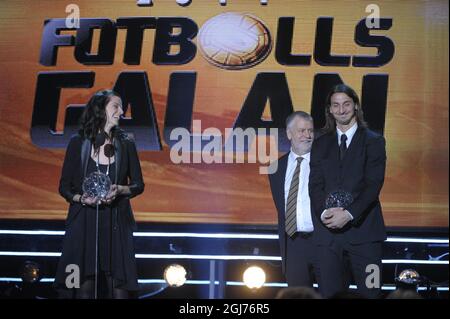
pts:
[282, 169]
[280, 177]
[279, 187]
[348, 161]
[118, 157]
[333, 147]
[332, 164]
[354, 144]
[85, 154]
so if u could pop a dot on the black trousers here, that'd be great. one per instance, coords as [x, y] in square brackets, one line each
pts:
[301, 261]
[340, 259]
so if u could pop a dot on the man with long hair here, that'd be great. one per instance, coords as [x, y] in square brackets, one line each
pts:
[350, 159]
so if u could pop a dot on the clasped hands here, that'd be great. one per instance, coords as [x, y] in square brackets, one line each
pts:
[114, 191]
[335, 217]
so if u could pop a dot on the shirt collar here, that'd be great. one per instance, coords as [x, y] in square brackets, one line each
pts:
[293, 156]
[350, 132]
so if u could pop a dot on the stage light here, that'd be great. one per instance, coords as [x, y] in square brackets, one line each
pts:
[175, 275]
[254, 277]
[408, 279]
[30, 272]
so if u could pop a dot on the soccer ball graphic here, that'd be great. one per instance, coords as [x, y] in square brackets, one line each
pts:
[234, 40]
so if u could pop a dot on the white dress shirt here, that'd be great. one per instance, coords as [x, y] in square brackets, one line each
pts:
[304, 220]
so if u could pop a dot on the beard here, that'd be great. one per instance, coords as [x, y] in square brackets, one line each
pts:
[303, 147]
[344, 121]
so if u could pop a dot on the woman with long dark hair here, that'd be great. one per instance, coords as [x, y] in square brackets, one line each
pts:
[102, 248]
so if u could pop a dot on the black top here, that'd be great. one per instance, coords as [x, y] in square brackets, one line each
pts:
[117, 223]
[105, 222]
[360, 172]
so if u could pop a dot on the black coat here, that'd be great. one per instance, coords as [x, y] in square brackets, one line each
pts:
[277, 180]
[361, 172]
[79, 240]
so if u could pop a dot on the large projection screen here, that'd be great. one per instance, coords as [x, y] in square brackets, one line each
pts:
[415, 125]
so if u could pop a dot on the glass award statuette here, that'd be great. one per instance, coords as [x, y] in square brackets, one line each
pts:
[339, 198]
[97, 184]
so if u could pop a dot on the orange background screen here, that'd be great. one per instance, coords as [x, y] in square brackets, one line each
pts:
[415, 192]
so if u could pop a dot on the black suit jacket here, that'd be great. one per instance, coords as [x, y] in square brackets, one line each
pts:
[277, 180]
[361, 172]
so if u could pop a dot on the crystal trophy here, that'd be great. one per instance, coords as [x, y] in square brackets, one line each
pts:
[97, 184]
[339, 198]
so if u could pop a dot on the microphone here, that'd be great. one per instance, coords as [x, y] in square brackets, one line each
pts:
[109, 150]
[100, 140]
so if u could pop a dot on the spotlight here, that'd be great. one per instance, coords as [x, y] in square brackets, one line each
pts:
[30, 272]
[254, 277]
[175, 275]
[408, 279]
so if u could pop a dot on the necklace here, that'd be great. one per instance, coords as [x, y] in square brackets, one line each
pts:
[98, 160]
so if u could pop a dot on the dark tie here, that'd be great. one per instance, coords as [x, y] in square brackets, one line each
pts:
[291, 206]
[343, 146]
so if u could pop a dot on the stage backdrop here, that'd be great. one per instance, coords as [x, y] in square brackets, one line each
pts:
[224, 68]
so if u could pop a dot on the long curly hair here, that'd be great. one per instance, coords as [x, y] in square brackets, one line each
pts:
[93, 119]
[330, 124]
